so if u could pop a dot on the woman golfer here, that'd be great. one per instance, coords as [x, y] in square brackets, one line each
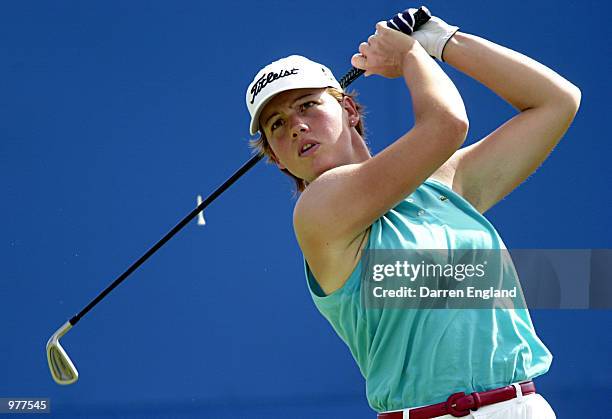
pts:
[421, 192]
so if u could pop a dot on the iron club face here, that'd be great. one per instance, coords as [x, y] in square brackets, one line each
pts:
[62, 369]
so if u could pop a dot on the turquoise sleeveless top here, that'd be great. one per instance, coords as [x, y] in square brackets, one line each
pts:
[416, 357]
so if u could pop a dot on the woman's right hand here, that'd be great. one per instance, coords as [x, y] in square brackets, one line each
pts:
[384, 53]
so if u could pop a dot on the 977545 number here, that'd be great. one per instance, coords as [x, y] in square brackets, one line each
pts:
[24, 405]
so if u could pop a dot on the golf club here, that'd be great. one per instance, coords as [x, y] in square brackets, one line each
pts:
[62, 369]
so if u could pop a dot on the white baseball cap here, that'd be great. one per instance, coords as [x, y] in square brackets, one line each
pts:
[293, 72]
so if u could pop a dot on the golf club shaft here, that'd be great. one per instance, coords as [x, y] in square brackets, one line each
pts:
[421, 16]
[229, 182]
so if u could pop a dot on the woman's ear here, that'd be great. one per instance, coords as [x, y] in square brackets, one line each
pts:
[351, 109]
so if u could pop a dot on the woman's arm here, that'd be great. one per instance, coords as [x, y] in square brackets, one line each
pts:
[343, 202]
[488, 170]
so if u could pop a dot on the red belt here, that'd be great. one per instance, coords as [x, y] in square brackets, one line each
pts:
[460, 404]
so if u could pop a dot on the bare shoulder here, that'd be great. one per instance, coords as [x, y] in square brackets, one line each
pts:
[331, 259]
[450, 173]
[325, 213]
[444, 176]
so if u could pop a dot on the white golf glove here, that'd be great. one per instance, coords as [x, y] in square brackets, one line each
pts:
[434, 35]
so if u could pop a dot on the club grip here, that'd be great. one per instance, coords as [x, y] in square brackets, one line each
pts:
[421, 16]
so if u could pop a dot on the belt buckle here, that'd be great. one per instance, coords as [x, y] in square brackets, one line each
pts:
[451, 404]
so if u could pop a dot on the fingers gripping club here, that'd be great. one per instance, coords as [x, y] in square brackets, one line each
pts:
[405, 22]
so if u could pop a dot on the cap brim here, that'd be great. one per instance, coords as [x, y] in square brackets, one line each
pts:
[255, 120]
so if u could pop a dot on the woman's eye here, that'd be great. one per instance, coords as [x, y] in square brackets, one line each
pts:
[308, 104]
[276, 124]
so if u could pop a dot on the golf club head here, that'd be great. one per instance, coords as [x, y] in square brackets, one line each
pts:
[62, 368]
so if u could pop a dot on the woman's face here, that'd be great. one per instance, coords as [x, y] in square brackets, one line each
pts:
[309, 131]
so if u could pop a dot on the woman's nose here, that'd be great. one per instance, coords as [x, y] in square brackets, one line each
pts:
[297, 128]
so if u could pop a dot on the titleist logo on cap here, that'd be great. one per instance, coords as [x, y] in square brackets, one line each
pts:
[268, 78]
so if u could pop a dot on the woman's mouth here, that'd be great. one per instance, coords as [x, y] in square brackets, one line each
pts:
[308, 149]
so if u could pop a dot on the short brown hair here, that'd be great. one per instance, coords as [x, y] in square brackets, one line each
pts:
[261, 146]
